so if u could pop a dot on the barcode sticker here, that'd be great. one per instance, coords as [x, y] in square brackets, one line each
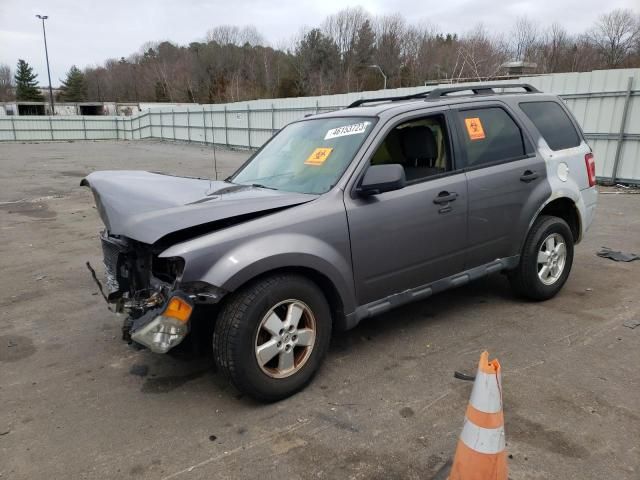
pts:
[355, 129]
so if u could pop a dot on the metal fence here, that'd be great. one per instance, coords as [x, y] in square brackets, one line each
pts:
[606, 103]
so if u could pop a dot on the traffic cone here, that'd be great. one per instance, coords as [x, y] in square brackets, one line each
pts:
[480, 454]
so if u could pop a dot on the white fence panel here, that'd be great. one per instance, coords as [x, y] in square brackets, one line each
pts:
[597, 99]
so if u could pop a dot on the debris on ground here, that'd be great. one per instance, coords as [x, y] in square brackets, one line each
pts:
[606, 252]
[632, 323]
[464, 376]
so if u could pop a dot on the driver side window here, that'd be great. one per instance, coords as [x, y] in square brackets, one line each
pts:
[420, 145]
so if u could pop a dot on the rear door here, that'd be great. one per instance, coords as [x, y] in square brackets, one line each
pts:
[503, 172]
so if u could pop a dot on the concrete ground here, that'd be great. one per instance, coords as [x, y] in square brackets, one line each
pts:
[76, 402]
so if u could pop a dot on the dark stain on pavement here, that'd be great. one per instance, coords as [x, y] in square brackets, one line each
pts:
[169, 383]
[29, 209]
[15, 347]
[336, 422]
[73, 173]
[139, 370]
[532, 433]
[406, 412]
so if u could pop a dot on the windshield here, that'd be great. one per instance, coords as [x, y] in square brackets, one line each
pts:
[308, 156]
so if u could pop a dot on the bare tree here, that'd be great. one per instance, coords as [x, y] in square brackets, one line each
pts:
[480, 55]
[554, 49]
[615, 36]
[235, 63]
[390, 31]
[523, 36]
[6, 83]
[343, 28]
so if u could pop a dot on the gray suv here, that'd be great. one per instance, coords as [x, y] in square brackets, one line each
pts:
[342, 216]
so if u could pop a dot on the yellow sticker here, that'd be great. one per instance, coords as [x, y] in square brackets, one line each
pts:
[318, 157]
[474, 128]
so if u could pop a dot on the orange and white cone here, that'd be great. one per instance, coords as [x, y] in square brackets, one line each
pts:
[480, 454]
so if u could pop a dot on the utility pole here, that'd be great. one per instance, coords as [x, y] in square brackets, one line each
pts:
[46, 54]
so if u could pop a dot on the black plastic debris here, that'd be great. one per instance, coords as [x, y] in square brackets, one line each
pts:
[464, 376]
[605, 252]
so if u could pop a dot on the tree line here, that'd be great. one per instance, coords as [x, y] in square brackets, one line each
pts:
[350, 51]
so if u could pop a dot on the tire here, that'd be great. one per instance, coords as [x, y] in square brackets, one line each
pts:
[246, 325]
[528, 279]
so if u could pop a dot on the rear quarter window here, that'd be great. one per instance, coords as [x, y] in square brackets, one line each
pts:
[553, 123]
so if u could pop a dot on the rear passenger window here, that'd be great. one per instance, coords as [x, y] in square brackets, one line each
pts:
[553, 124]
[490, 136]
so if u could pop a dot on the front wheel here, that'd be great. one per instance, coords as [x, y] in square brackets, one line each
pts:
[546, 259]
[272, 335]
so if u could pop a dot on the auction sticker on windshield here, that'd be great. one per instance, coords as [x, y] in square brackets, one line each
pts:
[354, 129]
[318, 156]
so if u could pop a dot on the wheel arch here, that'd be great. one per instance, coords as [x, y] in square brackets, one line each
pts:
[563, 207]
[322, 281]
[566, 209]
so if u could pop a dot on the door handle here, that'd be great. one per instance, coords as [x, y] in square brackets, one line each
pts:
[445, 197]
[528, 176]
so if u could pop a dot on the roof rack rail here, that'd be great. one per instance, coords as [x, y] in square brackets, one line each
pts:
[480, 89]
[362, 101]
[442, 92]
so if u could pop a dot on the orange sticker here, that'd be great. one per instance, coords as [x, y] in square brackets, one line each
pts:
[318, 157]
[474, 128]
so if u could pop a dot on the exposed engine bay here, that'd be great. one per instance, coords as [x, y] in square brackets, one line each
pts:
[146, 288]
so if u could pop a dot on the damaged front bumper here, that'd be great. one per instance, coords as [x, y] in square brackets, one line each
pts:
[158, 306]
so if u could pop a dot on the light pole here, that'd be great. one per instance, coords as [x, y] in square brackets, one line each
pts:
[383, 75]
[46, 54]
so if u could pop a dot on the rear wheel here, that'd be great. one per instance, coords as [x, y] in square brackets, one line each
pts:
[546, 259]
[272, 335]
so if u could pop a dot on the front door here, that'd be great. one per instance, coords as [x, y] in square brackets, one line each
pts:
[413, 236]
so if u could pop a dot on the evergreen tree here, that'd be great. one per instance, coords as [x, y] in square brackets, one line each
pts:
[26, 83]
[365, 46]
[74, 88]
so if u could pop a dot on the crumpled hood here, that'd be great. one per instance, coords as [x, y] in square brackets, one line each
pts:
[147, 206]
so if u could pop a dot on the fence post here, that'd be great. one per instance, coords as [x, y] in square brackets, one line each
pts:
[161, 130]
[204, 125]
[213, 129]
[249, 125]
[117, 129]
[84, 127]
[273, 121]
[13, 128]
[623, 123]
[173, 124]
[226, 130]
[317, 107]
[51, 127]
[188, 125]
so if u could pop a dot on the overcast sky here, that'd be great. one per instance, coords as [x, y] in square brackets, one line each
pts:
[87, 32]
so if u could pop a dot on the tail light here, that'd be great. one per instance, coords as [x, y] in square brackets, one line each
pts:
[591, 168]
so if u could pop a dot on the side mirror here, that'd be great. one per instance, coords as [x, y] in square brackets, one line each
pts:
[382, 178]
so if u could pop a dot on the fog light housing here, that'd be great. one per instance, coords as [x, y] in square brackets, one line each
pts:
[167, 329]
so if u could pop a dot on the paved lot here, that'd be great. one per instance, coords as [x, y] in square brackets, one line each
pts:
[76, 402]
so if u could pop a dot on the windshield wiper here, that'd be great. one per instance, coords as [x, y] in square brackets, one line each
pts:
[259, 185]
